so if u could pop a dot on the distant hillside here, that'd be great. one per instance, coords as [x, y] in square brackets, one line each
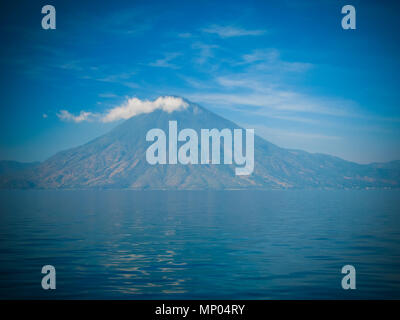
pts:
[9, 167]
[117, 160]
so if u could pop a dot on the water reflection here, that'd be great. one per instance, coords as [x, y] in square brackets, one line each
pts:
[229, 245]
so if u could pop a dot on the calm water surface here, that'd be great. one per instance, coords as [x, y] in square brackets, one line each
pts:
[200, 245]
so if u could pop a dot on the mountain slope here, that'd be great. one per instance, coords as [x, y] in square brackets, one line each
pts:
[117, 160]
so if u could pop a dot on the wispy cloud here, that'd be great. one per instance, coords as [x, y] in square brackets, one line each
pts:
[185, 35]
[261, 103]
[128, 22]
[262, 92]
[292, 118]
[270, 59]
[301, 135]
[116, 77]
[107, 95]
[122, 78]
[205, 51]
[82, 116]
[166, 61]
[262, 98]
[130, 108]
[74, 65]
[260, 55]
[230, 31]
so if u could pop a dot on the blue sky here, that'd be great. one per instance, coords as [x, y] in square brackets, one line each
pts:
[285, 68]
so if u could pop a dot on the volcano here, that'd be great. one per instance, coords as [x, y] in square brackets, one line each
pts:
[117, 160]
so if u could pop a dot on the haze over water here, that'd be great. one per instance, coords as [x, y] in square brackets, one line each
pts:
[200, 245]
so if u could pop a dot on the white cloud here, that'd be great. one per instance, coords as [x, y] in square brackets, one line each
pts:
[229, 31]
[130, 108]
[67, 116]
[135, 106]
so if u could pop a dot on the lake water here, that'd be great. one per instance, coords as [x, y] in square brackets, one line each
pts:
[200, 245]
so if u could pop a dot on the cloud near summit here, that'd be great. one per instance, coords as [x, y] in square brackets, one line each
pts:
[130, 108]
